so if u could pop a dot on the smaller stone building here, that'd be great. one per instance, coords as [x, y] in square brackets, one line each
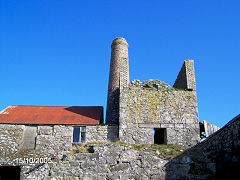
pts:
[52, 128]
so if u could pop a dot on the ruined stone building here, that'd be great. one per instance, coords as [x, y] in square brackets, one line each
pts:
[147, 112]
[151, 111]
[54, 128]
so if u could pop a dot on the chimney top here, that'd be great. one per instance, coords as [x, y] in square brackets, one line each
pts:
[119, 40]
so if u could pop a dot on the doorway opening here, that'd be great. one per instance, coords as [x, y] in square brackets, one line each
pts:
[160, 136]
[10, 172]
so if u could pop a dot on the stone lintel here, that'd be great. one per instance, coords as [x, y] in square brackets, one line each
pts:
[149, 125]
[161, 125]
[167, 125]
[179, 126]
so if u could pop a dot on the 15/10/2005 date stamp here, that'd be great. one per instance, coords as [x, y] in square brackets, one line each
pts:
[27, 160]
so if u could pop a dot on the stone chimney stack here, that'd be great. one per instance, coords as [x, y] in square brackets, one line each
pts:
[186, 77]
[118, 78]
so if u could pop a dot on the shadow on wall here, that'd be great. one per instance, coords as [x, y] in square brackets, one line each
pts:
[112, 133]
[191, 164]
[218, 157]
[112, 114]
[93, 112]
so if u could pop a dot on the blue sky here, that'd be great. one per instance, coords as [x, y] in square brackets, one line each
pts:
[57, 52]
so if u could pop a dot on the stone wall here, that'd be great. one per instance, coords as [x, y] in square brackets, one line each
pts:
[222, 148]
[55, 139]
[10, 139]
[102, 133]
[111, 161]
[154, 104]
[49, 139]
[53, 144]
[106, 161]
[217, 157]
[209, 128]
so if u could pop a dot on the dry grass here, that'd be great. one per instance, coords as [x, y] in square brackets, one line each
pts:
[160, 150]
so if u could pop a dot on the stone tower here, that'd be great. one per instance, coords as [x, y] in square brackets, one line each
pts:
[118, 78]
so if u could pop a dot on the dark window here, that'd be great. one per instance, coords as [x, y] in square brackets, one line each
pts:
[79, 134]
[10, 172]
[160, 136]
[83, 136]
[76, 133]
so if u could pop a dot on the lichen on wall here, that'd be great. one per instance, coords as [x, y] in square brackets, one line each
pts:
[156, 103]
[50, 139]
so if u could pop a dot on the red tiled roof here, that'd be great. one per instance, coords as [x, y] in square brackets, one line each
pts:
[77, 115]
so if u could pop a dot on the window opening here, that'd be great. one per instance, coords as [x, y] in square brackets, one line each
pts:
[79, 134]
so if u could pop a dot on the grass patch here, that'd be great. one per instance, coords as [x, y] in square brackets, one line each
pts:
[81, 148]
[159, 150]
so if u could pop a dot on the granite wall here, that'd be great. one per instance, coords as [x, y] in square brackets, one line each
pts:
[222, 148]
[56, 139]
[153, 104]
[102, 133]
[209, 128]
[46, 139]
[53, 157]
[217, 157]
[105, 162]
[10, 139]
